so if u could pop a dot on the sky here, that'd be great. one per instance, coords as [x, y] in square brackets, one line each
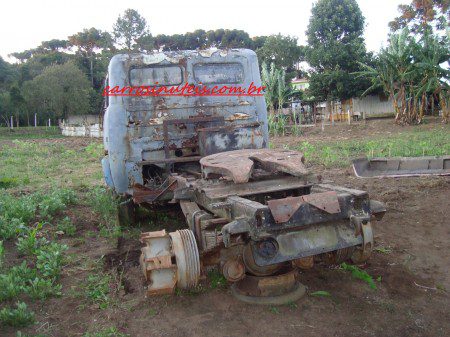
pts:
[25, 24]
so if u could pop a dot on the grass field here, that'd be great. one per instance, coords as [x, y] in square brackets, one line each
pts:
[30, 132]
[58, 228]
[406, 144]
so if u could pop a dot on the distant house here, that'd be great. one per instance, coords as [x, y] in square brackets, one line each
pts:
[372, 106]
[359, 107]
[300, 83]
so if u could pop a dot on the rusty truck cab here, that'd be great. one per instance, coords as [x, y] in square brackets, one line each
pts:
[146, 136]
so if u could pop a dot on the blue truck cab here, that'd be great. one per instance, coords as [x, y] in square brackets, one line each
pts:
[148, 136]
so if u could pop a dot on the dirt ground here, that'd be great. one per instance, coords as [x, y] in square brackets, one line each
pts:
[412, 298]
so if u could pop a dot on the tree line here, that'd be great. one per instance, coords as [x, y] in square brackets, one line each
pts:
[64, 77]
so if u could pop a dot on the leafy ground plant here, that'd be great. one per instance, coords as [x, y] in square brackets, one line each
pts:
[97, 289]
[321, 293]
[17, 317]
[50, 259]
[66, 226]
[40, 288]
[30, 242]
[359, 274]
[216, 279]
[105, 204]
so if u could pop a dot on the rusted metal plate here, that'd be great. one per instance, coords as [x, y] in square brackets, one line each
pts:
[313, 240]
[230, 137]
[170, 160]
[266, 286]
[145, 194]
[231, 164]
[255, 187]
[326, 201]
[238, 165]
[283, 209]
[291, 162]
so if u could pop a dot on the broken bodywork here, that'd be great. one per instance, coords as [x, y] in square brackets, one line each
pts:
[256, 214]
[401, 167]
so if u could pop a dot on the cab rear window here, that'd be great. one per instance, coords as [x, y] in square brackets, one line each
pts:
[219, 73]
[156, 75]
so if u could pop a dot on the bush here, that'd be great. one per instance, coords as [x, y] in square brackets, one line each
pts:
[15, 212]
[23, 271]
[8, 182]
[104, 203]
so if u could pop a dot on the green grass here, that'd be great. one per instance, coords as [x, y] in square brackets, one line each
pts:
[405, 144]
[216, 279]
[360, 274]
[321, 293]
[29, 132]
[97, 289]
[35, 164]
[105, 204]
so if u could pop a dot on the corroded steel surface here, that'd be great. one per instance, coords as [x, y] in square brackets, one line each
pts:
[169, 260]
[401, 167]
[155, 130]
[283, 209]
[276, 289]
[238, 165]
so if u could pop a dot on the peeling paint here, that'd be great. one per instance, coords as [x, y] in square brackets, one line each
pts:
[131, 120]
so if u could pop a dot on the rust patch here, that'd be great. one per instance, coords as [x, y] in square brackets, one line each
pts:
[283, 209]
[238, 165]
[326, 201]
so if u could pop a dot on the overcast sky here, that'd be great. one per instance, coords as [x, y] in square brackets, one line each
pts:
[24, 24]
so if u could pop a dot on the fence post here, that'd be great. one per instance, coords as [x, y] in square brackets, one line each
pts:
[49, 123]
[12, 122]
[35, 120]
[323, 121]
